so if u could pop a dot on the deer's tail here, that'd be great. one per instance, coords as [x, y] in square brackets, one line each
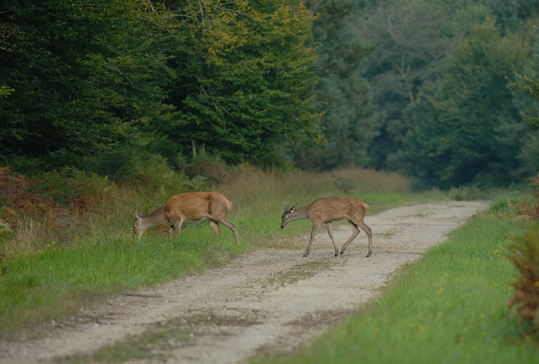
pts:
[366, 206]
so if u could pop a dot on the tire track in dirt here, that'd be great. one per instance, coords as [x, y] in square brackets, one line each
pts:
[267, 301]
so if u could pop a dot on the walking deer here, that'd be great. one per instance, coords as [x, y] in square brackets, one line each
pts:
[326, 210]
[185, 207]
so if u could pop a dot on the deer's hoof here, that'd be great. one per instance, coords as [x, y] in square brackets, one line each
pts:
[368, 255]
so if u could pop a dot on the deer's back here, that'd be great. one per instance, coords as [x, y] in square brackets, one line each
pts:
[335, 208]
[196, 206]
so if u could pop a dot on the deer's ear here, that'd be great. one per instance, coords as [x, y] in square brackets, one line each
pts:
[138, 214]
[293, 208]
[286, 209]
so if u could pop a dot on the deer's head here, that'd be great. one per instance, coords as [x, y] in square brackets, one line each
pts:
[138, 230]
[285, 218]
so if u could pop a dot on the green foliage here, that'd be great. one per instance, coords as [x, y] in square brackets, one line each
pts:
[429, 111]
[212, 168]
[409, 39]
[248, 81]
[397, 85]
[527, 83]
[342, 94]
[90, 78]
[530, 87]
[466, 127]
[525, 257]
[5, 91]
[85, 74]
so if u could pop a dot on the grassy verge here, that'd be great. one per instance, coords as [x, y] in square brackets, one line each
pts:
[448, 308]
[56, 281]
[57, 263]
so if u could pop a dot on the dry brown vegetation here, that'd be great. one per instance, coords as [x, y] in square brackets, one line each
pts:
[24, 215]
[530, 207]
[525, 256]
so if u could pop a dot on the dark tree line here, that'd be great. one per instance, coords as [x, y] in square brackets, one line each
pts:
[437, 90]
[440, 79]
[95, 77]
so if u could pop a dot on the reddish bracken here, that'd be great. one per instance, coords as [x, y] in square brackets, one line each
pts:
[525, 257]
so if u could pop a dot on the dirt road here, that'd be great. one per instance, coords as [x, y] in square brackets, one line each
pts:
[267, 301]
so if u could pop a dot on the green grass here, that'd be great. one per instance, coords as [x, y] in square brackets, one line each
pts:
[448, 308]
[56, 280]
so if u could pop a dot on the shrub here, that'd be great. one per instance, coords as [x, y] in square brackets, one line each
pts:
[529, 207]
[211, 167]
[525, 256]
[14, 193]
[150, 173]
[22, 211]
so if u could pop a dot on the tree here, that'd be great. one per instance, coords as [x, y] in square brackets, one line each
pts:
[467, 128]
[83, 75]
[342, 95]
[527, 83]
[529, 86]
[86, 77]
[409, 42]
[244, 77]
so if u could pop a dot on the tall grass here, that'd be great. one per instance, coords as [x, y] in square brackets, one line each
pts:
[448, 308]
[257, 192]
[82, 248]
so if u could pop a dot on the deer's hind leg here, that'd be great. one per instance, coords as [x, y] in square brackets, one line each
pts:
[229, 224]
[215, 226]
[329, 226]
[360, 223]
[369, 234]
[355, 232]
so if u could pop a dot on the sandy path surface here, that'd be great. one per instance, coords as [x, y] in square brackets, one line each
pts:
[266, 301]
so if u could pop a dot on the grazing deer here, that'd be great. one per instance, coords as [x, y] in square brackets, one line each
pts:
[326, 210]
[192, 206]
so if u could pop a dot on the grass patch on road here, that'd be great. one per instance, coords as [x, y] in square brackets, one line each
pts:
[299, 272]
[449, 308]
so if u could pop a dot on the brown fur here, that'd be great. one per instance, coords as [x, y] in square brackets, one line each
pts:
[326, 210]
[185, 207]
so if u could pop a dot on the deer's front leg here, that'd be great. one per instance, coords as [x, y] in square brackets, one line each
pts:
[177, 227]
[329, 226]
[313, 234]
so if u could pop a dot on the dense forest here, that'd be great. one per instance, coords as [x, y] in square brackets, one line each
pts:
[445, 92]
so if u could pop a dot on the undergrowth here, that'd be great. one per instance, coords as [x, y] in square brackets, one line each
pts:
[525, 257]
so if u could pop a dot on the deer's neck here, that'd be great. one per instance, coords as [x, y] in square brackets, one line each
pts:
[299, 214]
[155, 218]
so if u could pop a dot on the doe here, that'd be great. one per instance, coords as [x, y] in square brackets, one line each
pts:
[326, 210]
[185, 207]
